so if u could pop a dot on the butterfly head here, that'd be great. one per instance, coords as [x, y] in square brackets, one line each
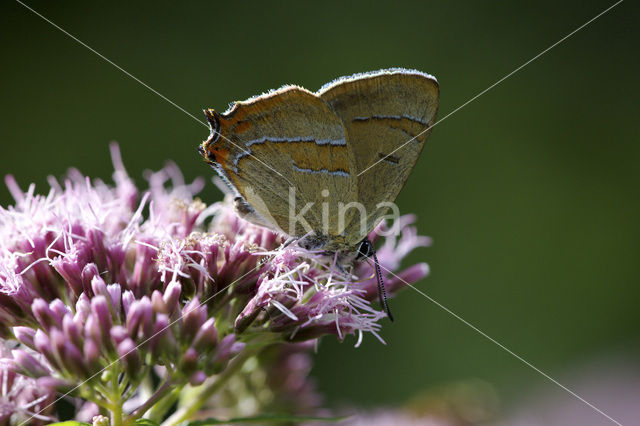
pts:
[213, 150]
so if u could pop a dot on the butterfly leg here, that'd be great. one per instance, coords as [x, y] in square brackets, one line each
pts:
[366, 250]
[288, 242]
[337, 262]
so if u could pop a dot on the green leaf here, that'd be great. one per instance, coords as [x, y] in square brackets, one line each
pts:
[262, 419]
[70, 423]
[146, 422]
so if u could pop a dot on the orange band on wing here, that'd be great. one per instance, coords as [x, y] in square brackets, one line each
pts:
[219, 154]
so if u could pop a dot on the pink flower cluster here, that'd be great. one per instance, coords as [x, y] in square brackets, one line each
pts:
[96, 277]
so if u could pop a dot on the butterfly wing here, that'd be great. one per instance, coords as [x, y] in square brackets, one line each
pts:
[280, 151]
[387, 117]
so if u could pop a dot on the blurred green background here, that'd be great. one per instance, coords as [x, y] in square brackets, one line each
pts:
[530, 192]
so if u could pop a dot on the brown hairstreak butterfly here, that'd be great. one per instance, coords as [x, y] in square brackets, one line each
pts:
[300, 162]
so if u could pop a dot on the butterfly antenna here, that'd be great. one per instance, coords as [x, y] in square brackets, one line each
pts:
[382, 293]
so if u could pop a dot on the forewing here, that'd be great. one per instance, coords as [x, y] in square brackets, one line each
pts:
[280, 151]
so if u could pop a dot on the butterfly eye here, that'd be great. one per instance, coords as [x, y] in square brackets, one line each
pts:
[365, 249]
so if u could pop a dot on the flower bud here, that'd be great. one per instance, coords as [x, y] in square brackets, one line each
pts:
[83, 308]
[98, 251]
[55, 384]
[206, 337]
[74, 361]
[92, 355]
[227, 348]
[72, 330]
[193, 316]
[60, 310]
[139, 318]
[114, 291]
[98, 286]
[118, 334]
[102, 316]
[70, 272]
[29, 365]
[197, 378]
[100, 420]
[43, 345]
[44, 314]
[89, 271]
[25, 336]
[172, 295]
[189, 361]
[246, 318]
[130, 358]
[127, 299]
[57, 340]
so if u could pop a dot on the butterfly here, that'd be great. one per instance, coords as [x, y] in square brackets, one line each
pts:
[324, 168]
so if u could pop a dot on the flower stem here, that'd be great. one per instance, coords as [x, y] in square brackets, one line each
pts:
[116, 399]
[208, 390]
[160, 393]
[158, 411]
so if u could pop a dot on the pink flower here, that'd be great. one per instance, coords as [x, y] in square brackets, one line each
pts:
[21, 399]
[96, 276]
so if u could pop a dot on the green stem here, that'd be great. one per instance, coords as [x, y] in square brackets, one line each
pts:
[208, 390]
[116, 398]
[160, 393]
[158, 411]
